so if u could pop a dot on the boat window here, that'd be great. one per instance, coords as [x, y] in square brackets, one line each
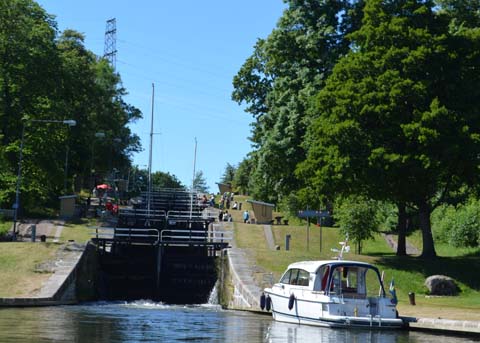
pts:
[372, 283]
[296, 276]
[303, 277]
[350, 280]
[346, 281]
[321, 278]
[286, 277]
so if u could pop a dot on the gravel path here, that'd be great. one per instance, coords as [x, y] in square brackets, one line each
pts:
[392, 242]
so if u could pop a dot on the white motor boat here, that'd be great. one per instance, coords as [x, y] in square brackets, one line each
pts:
[333, 293]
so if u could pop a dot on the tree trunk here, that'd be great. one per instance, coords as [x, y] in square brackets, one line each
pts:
[428, 250]
[402, 230]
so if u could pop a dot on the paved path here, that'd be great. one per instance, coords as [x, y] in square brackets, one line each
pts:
[392, 242]
[246, 294]
[52, 229]
[267, 229]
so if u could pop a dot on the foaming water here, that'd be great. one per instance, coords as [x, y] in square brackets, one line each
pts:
[213, 297]
[149, 321]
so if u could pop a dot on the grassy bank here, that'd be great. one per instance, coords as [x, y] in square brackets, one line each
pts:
[20, 267]
[409, 272]
[79, 230]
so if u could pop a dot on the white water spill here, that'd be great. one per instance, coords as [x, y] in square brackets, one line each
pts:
[213, 297]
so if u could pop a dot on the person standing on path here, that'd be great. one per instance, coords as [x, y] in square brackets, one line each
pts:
[246, 216]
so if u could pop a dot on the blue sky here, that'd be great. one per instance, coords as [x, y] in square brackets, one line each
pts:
[191, 50]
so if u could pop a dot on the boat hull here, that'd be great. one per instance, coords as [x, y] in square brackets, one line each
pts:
[341, 322]
[296, 315]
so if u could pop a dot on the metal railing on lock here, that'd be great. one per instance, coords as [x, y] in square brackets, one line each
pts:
[195, 236]
[130, 235]
[184, 215]
[142, 213]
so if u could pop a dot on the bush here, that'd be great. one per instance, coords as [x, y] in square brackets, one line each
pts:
[459, 226]
[387, 216]
[443, 219]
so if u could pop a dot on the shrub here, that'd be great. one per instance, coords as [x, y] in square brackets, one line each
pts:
[458, 226]
[387, 216]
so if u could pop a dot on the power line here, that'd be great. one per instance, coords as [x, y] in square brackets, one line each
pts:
[174, 59]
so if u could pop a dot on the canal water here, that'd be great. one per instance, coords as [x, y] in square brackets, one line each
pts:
[145, 321]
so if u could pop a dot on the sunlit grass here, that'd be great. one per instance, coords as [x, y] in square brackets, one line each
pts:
[78, 231]
[18, 263]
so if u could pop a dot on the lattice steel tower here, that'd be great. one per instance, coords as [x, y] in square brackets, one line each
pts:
[110, 50]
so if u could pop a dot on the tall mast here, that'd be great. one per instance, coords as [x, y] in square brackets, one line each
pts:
[150, 155]
[193, 179]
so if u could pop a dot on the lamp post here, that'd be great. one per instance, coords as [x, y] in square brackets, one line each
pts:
[16, 205]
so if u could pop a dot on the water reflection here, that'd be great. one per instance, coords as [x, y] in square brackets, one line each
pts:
[145, 321]
[290, 333]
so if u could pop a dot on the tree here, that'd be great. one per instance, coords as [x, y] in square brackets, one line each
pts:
[357, 218]
[46, 76]
[165, 180]
[397, 119]
[228, 174]
[277, 81]
[241, 180]
[28, 72]
[200, 183]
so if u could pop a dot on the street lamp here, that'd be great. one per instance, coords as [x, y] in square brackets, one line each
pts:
[16, 205]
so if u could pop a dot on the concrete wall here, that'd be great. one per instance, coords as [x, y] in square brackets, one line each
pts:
[237, 287]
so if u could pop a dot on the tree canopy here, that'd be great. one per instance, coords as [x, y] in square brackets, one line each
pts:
[51, 76]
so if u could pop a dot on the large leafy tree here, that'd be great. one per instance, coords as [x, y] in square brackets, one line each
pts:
[285, 69]
[29, 66]
[398, 118]
[44, 76]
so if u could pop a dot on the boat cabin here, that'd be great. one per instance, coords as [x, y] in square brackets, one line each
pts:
[342, 278]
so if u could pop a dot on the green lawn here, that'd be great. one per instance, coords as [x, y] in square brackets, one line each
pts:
[79, 230]
[18, 262]
[409, 272]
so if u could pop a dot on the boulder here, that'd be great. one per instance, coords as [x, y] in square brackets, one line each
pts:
[441, 285]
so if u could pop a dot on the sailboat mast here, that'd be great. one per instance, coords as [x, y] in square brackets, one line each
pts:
[150, 155]
[193, 179]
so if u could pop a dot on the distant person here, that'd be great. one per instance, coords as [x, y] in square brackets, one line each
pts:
[235, 206]
[226, 215]
[220, 216]
[246, 216]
